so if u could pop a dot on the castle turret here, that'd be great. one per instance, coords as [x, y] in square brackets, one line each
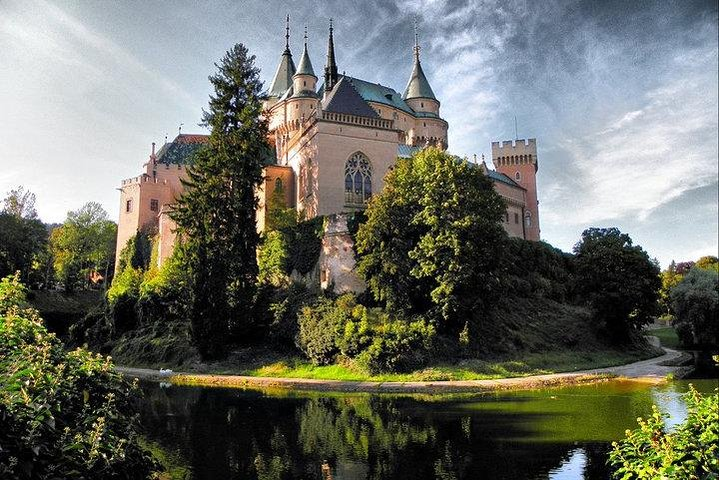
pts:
[418, 94]
[518, 161]
[305, 80]
[330, 67]
[282, 80]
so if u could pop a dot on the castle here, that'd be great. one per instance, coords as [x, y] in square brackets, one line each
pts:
[334, 144]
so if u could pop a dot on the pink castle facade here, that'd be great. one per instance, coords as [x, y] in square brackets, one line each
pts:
[334, 144]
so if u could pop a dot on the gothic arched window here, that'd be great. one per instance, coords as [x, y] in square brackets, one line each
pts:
[358, 180]
[517, 176]
[278, 183]
[528, 219]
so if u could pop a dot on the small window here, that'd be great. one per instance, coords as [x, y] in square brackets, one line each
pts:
[154, 205]
[518, 176]
[128, 206]
[304, 83]
[324, 276]
[278, 184]
[506, 217]
[421, 104]
[528, 219]
[425, 123]
[516, 218]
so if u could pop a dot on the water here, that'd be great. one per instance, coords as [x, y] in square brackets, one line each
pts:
[546, 434]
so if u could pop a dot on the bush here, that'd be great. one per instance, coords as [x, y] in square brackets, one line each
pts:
[62, 415]
[695, 300]
[273, 259]
[283, 309]
[378, 342]
[689, 452]
[397, 346]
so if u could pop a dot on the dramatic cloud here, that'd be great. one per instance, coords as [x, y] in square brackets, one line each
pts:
[621, 96]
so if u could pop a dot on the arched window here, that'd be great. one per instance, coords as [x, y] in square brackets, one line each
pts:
[358, 180]
[518, 176]
[528, 219]
[278, 183]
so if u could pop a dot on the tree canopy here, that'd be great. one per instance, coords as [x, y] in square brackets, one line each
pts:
[617, 279]
[433, 241]
[216, 214]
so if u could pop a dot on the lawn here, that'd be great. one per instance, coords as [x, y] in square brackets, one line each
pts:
[667, 336]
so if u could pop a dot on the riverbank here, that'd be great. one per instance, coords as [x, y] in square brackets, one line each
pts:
[654, 370]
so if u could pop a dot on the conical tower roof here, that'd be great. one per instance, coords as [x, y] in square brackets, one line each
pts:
[418, 86]
[305, 65]
[282, 80]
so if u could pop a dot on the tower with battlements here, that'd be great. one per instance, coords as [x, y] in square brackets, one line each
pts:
[518, 161]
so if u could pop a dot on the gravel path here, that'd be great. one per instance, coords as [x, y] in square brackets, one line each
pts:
[651, 370]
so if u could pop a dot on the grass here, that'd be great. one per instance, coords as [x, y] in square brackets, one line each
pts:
[667, 336]
[473, 369]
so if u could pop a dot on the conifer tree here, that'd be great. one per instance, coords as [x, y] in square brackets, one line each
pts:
[216, 214]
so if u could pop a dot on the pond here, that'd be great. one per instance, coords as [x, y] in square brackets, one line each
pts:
[560, 433]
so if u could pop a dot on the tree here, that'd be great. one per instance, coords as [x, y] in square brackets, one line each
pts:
[84, 243]
[617, 279]
[216, 214]
[433, 239]
[695, 300]
[20, 203]
[23, 238]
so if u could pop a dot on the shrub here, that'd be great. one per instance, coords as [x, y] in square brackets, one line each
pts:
[689, 452]
[377, 341]
[283, 309]
[397, 346]
[319, 327]
[305, 244]
[273, 258]
[62, 414]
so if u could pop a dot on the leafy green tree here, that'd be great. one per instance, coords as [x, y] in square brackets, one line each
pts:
[216, 214]
[279, 215]
[23, 238]
[83, 244]
[689, 452]
[695, 300]
[617, 279]
[433, 238]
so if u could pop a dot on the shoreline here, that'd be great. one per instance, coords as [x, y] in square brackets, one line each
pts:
[645, 371]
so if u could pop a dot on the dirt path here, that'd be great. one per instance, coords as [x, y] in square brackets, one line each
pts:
[651, 370]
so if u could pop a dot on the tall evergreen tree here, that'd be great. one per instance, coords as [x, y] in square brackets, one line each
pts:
[216, 214]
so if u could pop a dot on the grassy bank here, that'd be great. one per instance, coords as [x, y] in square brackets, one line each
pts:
[529, 337]
[667, 336]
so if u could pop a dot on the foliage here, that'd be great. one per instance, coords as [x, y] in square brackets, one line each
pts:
[83, 244]
[122, 298]
[378, 342]
[689, 452]
[305, 244]
[285, 305]
[20, 203]
[23, 239]
[695, 301]
[433, 239]
[12, 293]
[279, 215]
[273, 258]
[537, 268]
[216, 213]
[62, 414]
[617, 279]
[136, 253]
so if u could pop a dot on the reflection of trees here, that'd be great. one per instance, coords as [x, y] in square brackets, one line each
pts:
[246, 434]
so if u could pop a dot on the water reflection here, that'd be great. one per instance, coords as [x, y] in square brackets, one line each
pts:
[556, 434]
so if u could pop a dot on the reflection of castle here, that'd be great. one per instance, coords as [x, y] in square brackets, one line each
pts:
[334, 145]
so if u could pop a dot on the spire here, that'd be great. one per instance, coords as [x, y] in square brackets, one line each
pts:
[418, 86]
[331, 66]
[282, 80]
[305, 65]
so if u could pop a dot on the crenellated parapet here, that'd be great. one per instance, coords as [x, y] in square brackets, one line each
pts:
[518, 152]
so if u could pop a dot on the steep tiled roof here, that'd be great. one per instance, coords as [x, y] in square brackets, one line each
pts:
[374, 92]
[418, 86]
[406, 151]
[496, 176]
[282, 80]
[344, 98]
[180, 150]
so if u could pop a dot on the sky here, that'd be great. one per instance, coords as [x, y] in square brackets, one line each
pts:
[621, 96]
